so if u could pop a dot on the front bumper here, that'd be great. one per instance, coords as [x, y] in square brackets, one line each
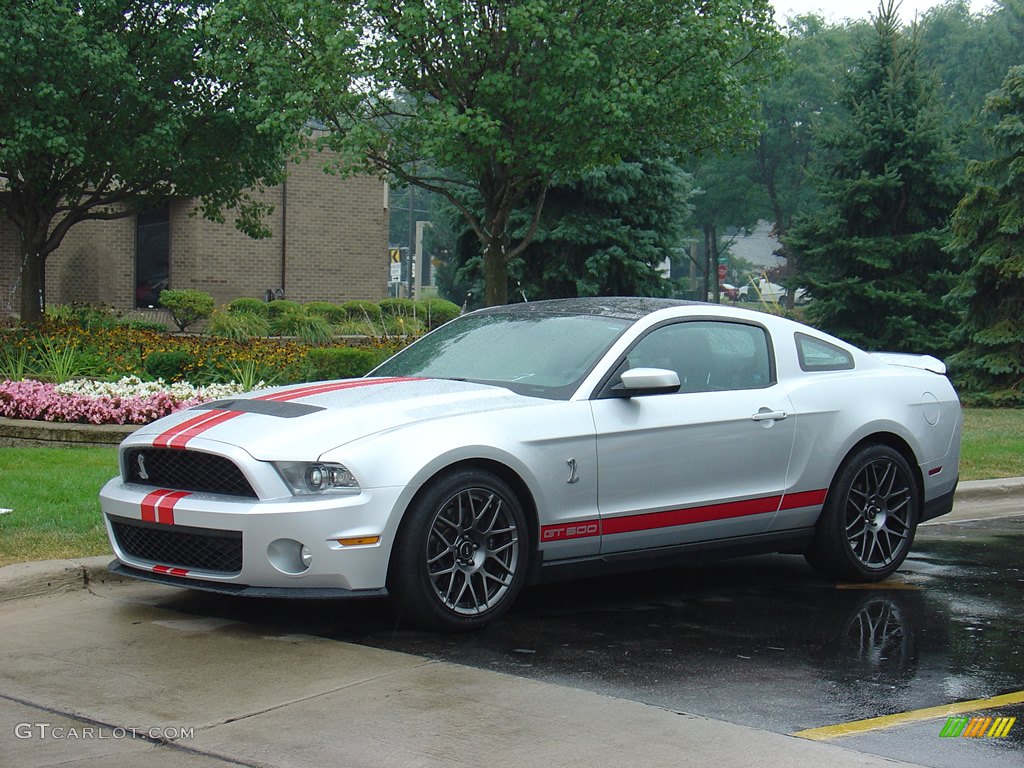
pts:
[241, 590]
[268, 534]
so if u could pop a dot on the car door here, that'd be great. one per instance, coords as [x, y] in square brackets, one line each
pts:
[707, 462]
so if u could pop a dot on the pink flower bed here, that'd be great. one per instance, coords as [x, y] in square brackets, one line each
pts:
[43, 402]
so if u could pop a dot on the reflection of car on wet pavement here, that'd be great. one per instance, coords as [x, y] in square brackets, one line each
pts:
[544, 439]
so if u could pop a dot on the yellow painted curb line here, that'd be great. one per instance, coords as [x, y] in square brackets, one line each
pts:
[828, 732]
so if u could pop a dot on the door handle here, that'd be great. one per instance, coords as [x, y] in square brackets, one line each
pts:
[766, 415]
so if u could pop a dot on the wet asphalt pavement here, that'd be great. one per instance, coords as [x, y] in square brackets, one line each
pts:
[758, 641]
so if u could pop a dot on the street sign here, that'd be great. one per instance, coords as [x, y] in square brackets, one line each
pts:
[395, 256]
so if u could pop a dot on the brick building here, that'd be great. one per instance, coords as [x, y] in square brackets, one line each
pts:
[329, 243]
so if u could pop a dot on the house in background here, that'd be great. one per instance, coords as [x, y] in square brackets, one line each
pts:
[329, 243]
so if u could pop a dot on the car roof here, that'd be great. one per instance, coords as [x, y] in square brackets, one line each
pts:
[624, 307]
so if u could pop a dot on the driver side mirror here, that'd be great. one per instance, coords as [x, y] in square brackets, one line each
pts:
[638, 382]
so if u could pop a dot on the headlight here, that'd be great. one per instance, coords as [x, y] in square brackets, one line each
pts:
[306, 478]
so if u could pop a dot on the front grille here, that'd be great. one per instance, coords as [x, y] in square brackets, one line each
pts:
[180, 546]
[186, 471]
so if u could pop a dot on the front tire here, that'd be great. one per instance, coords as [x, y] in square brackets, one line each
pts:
[870, 516]
[460, 558]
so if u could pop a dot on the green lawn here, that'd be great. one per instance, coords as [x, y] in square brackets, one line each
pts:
[53, 491]
[993, 443]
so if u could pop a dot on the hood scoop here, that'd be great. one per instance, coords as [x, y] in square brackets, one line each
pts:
[282, 410]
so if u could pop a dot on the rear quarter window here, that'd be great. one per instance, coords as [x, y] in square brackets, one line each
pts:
[819, 355]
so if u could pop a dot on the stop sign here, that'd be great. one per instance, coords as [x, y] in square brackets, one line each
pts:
[723, 270]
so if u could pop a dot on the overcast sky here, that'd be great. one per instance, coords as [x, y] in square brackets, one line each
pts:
[836, 10]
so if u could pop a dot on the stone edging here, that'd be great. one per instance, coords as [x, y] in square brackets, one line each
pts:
[20, 432]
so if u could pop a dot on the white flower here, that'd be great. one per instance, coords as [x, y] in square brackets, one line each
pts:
[133, 386]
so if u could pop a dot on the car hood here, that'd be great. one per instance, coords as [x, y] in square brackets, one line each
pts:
[288, 423]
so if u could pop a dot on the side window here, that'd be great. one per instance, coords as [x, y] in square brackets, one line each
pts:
[819, 355]
[707, 356]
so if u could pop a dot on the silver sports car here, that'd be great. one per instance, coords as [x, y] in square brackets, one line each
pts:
[523, 442]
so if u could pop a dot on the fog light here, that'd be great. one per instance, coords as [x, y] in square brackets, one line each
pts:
[289, 556]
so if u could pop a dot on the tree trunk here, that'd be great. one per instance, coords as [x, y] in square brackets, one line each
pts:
[33, 285]
[495, 274]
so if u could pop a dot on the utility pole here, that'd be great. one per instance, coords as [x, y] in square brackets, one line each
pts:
[418, 259]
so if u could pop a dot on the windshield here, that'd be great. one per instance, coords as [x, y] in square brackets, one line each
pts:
[540, 355]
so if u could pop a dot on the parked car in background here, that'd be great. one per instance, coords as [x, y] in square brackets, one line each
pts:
[519, 443]
[763, 290]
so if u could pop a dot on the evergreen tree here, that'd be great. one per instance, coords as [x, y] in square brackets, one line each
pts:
[873, 258]
[605, 234]
[988, 230]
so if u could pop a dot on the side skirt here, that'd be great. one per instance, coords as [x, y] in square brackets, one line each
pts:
[787, 542]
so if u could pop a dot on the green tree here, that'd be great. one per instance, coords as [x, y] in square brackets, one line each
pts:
[800, 97]
[605, 234]
[988, 226]
[873, 258]
[505, 94]
[111, 105]
[726, 198]
[971, 53]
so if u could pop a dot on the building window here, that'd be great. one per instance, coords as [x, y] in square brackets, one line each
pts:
[152, 255]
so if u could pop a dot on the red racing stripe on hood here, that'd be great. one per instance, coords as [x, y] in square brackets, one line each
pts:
[179, 435]
[165, 439]
[321, 389]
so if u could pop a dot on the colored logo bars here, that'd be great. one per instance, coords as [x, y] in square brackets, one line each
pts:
[977, 727]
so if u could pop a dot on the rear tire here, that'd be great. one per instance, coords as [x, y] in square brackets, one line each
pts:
[870, 516]
[461, 555]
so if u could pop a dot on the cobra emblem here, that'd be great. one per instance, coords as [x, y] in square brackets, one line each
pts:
[573, 477]
[141, 461]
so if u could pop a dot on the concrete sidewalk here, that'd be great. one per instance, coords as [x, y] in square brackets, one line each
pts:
[96, 671]
[82, 671]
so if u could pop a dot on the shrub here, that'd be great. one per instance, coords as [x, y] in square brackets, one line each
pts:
[403, 325]
[144, 325]
[251, 374]
[312, 329]
[83, 315]
[249, 306]
[14, 362]
[437, 312]
[342, 362]
[238, 327]
[333, 313]
[57, 362]
[398, 307]
[173, 365]
[187, 306]
[358, 328]
[280, 307]
[361, 310]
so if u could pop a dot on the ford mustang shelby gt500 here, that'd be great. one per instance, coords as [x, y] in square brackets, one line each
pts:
[520, 442]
